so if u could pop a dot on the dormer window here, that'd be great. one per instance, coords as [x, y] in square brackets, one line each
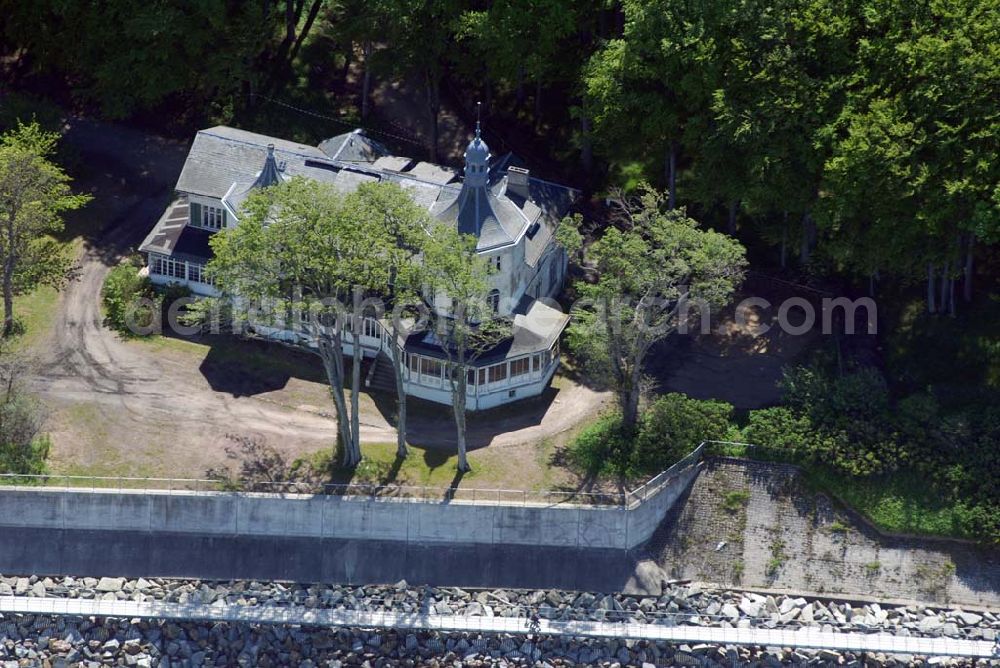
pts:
[213, 217]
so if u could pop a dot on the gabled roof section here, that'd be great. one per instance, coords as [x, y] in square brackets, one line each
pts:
[227, 163]
[222, 156]
[354, 146]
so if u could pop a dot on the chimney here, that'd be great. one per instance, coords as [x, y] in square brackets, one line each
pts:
[517, 181]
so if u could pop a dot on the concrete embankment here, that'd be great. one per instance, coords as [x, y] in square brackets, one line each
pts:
[354, 539]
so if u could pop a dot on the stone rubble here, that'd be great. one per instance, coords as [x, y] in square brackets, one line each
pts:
[35, 640]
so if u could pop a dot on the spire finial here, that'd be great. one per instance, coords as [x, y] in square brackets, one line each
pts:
[479, 108]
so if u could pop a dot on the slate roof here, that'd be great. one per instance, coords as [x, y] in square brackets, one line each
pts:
[535, 328]
[225, 162]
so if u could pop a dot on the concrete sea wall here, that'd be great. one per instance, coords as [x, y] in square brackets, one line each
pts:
[295, 536]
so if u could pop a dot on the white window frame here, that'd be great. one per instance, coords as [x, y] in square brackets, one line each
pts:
[213, 217]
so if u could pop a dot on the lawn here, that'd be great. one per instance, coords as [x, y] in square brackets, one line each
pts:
[35, 312]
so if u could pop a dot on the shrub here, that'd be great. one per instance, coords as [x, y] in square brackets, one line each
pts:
[122, 295]
[674, 425]
[668, 430]
[23, 448]
[602, 448]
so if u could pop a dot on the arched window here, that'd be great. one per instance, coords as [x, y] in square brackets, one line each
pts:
[494, 300]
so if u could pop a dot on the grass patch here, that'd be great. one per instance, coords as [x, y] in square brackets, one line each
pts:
[36, 314]
[735, 501]
[900, 503]
[838, 527]
[778, 557]
[422, 468]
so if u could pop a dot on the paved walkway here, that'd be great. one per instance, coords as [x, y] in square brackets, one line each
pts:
[807, 638]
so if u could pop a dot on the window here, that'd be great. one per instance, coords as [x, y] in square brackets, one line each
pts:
[498, 372]
[414, 363]
[536, 362]
[430, 367]
[519, 367]
[196, 273]
[494, 300]
[482, 376]
[164, 266]
[372, 328]
[213, 217]
[470, 377]
[496, 263]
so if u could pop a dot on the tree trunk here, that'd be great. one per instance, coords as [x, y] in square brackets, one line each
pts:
[951, 297]
[629, 400]
[671, 173]
[519, 94]
[538, 103]
[356, 359]
[434, 107]
[931, 308]
[366, 80]
[943, 302]
[8, 298]
[586, 144]
[733, 205]
[808, 233]
[967, 284]
[397, 365]
[310, 19]
[331, 352]
[457, 374]
[784, 241]
[487, 92]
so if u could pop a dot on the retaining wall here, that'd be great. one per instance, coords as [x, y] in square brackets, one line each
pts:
[352, 517]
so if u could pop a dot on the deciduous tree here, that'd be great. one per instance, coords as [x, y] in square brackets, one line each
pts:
[34, 194]
[652, 264]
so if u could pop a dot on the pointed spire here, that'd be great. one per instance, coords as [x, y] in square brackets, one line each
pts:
[270, 174]
[479, 110]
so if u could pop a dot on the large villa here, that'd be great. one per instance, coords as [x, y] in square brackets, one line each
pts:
[512, 214]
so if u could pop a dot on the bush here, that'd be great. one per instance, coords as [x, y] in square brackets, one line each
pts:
[123, 295]
[669, 429]
[602, 448]
[674, 425]
[23, 448]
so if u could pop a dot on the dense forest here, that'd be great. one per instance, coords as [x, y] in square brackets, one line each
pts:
[848, 144]
[858, 136]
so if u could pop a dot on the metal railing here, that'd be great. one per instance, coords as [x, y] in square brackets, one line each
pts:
[389, 491]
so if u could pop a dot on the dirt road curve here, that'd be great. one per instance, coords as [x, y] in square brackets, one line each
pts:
[157, 406]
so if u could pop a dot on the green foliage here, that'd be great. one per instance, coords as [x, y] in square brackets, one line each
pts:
[35, 193]
[651, 268]
[22, 448]
[602, 448]
[735, 501]
[130, 304]
[911, 466]
[668, 430]
[674, 425]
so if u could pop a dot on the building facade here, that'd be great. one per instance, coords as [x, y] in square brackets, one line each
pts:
[512, 214]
